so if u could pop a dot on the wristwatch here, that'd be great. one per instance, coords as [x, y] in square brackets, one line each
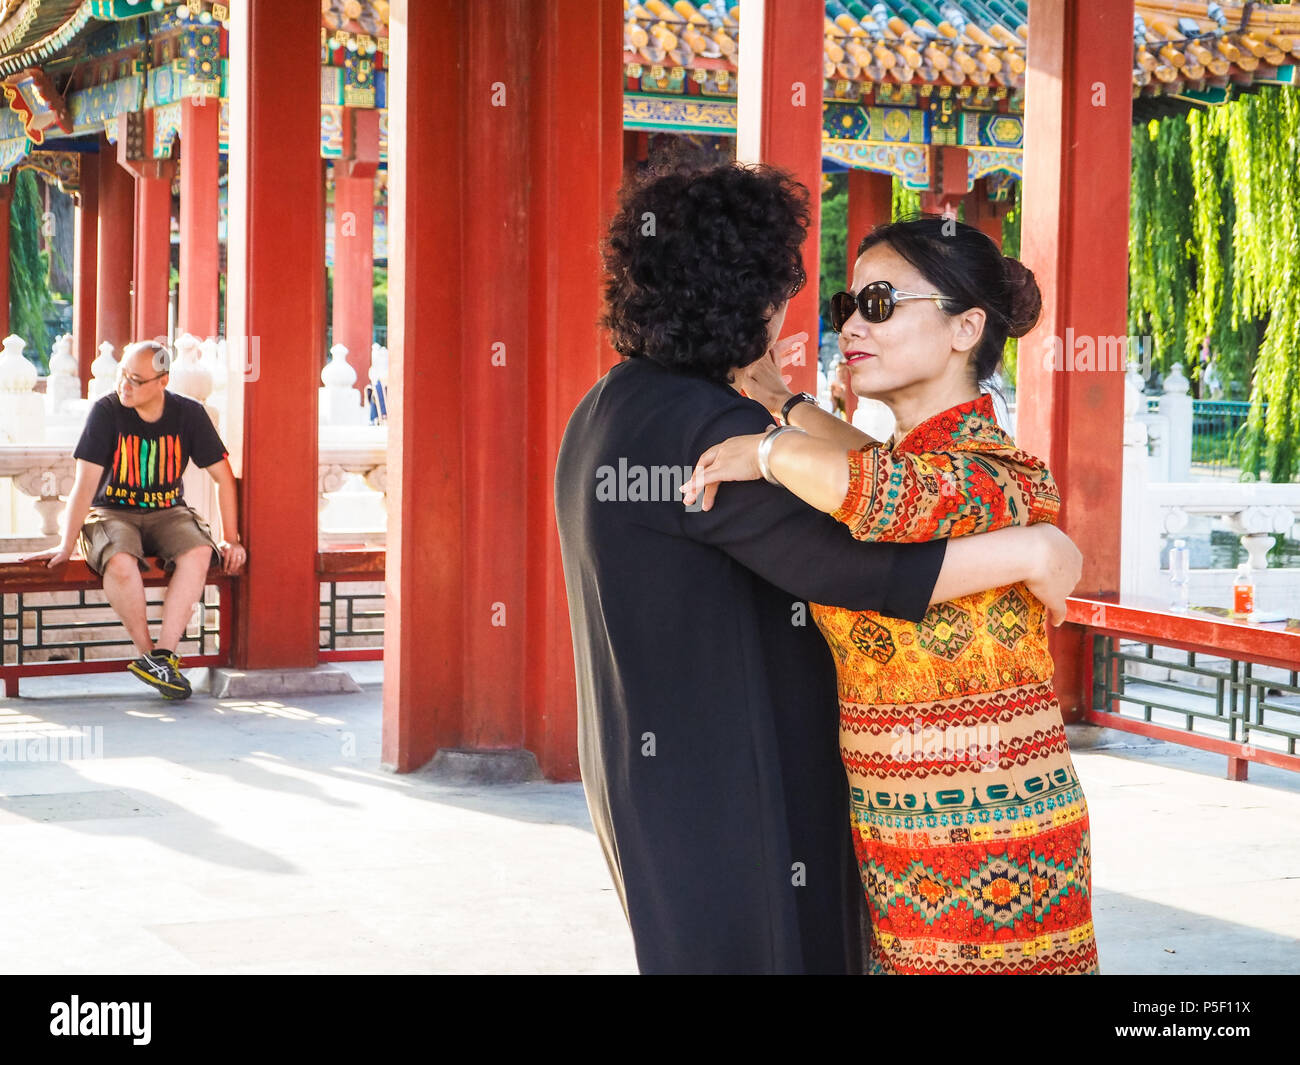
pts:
[792, 402]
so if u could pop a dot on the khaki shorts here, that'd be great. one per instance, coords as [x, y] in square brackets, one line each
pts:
[164, 533]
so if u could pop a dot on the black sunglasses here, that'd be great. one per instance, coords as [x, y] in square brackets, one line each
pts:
[876, 301]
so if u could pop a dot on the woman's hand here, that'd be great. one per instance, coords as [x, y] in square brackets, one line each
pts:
[763, 380]
[735, 459]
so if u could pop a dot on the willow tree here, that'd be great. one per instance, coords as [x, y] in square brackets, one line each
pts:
[1214, 251]
[1160, 231]
[1263, 154]
[29, 290]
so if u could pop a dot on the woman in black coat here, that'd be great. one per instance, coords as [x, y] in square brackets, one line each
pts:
[707, 728]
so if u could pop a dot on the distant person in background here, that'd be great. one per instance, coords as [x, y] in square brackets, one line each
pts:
[1211, 386]
[127, 504]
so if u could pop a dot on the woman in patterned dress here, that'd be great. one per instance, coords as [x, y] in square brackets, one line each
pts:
[970, 826]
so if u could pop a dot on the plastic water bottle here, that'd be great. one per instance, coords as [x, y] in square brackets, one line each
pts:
[1180, 564]
[1243, 592]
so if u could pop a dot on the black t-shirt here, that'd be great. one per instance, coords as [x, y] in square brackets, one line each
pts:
[143, 461]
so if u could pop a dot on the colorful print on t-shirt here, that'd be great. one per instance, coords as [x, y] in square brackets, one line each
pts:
[140, 466]
[144, 461]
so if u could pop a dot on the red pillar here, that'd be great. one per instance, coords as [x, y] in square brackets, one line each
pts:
[786, 97]
[580, 101]
[424, 567]
[200, 173]
[871, 200]
[983, 213]
[85, 254]
[948, 186]
[477, 652]
[1075, 239]
[6, 204]
[115, 246]
[495, 337]
[153, 254]
[276, 320]
[871, 203]
[636, 149]
[354, 238]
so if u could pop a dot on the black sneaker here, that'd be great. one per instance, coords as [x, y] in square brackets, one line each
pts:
[161, 670]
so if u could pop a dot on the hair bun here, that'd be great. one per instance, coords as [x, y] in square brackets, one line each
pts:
[1026, 299]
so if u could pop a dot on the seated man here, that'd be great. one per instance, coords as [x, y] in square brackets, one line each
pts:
[133, 450]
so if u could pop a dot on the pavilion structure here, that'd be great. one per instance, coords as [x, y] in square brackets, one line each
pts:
[933, 94]
[494, 219]
[143, 85]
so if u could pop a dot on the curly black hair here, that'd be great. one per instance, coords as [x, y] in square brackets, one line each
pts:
[698, 259]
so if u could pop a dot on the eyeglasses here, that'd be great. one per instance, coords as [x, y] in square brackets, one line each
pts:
[876, 301]
[137, 381]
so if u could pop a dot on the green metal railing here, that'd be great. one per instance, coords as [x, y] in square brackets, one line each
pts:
[1216, 432]
[352, 623]
[1216, 427]
[1237, 705]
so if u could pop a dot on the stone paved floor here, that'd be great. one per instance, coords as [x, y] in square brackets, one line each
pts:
[263, 836]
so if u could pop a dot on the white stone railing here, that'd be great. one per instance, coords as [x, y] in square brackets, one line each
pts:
[43, 474]
[1155, 512]
[37, 469]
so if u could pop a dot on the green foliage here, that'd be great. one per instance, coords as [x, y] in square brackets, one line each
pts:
[834, 242]
[380, 290]
[904, 201]
[1160, 238]
[1214, 251]
[1011, 247]
[29, 292]
[1263, 146]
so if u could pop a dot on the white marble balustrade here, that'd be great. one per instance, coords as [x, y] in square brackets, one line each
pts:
[37, 469]
[1156, 512]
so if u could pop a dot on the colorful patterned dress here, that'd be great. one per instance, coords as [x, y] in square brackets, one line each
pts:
[970, 826]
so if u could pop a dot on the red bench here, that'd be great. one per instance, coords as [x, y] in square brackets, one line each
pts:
[17, 577]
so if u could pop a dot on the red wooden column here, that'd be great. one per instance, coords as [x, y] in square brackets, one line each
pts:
[424, 664]
[871, 198]
[115, 249]
[871, 203]
[495, 341]
[153, 253]
[6, 206]
[780, 122]
[276, 318]
[199, 217]
[636, 149]
[354, 237]
[579, 100]
[477, 654]
[85, 255]
[948, 186]
[1075, 239]
[983, 213]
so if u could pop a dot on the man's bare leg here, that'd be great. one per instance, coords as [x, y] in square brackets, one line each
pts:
[125, 591]
[183, 591]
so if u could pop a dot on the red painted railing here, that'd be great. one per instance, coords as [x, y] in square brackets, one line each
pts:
[1200, 632]
[341, 564]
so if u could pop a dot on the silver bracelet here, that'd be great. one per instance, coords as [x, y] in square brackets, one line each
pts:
[765, 451]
